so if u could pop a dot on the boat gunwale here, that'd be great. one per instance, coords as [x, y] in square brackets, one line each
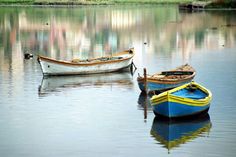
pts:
[181, 100]
[166, 81]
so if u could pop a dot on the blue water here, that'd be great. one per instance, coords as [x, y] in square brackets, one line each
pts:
[107, 116]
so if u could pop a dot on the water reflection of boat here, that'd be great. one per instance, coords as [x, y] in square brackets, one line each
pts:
[56, 83]
[171, 133]
[144, 101]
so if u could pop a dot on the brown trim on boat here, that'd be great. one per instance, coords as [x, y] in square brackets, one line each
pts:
[184, 68]
[166, 81]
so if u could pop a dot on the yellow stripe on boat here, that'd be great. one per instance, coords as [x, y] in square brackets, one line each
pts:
[167, 96]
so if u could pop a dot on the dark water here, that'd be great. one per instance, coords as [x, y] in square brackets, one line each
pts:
[103, 115]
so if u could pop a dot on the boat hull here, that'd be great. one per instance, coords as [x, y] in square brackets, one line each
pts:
[174, 110]
[167, 79]
[55, 67]
[178, 102]
[50, 68]
[153, 86]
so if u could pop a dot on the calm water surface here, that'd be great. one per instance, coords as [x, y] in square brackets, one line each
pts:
[103, 115]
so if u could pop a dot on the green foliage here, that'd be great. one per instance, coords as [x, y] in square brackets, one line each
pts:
[152, 1]
[223, 4]
[16, 1]
[216, 4]
[66, 2]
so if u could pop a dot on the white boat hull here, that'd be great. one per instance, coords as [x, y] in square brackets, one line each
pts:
[55, 67]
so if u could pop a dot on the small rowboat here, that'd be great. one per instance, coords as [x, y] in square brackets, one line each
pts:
[167, 79]
[186, 100]
[112, 63]
[173, 133]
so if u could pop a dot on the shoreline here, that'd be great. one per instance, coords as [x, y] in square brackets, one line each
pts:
[79, 3]
[90, 2]
[85, 5]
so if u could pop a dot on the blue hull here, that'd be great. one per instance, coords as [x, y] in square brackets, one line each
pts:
[158, 87]
[174, 110]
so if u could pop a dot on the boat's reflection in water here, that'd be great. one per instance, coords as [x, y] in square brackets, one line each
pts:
[172, 133]
[144, 101]
[58, 83]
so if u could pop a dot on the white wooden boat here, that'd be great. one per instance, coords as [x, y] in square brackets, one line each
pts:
[112, 63]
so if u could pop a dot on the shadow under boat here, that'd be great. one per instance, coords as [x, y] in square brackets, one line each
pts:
[51, 84]
[173, 132]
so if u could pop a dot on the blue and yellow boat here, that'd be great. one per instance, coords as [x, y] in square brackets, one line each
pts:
[167, 79]
[186, 100]
[172, 133]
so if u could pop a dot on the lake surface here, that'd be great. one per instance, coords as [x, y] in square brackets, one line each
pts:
[105, 115]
